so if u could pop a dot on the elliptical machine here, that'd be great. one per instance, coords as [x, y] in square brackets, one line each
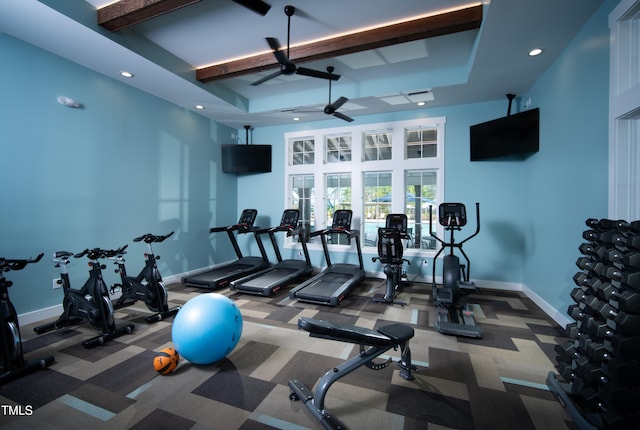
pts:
[147, 286]
[13, 363]
[455, 314]
[390, 251]
[91, 303]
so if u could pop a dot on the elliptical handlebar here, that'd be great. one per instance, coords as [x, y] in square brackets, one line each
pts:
[477, 224]
[456, 226]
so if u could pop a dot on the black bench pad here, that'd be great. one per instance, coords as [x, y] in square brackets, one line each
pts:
[386, 336]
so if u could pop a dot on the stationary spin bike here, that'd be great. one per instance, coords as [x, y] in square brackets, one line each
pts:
[13, 363]
[390, 251]
[455, 314]
[90, 303]
[147, 286]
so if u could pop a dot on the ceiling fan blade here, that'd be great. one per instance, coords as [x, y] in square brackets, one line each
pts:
[342, 116]
[279, 53]
[257, 6]
[316, 74]
[266, 78]
[338, 103]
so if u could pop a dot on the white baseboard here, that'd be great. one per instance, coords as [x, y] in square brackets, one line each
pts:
[559, 317]
[40, 315]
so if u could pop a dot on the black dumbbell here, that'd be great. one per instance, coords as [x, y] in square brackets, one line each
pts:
[624, 323]
[621, 370]
[566, 351]
[623, 398]
[571, 330]
[621, 345]
[626, 300]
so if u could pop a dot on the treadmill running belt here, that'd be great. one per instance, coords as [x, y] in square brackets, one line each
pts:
[227, 271]
[272, 276]
[324, 287]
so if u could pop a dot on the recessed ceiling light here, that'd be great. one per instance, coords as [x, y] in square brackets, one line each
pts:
[200, 107]
[295, 118]
[421, 103]
[126, 74]
[534, 52]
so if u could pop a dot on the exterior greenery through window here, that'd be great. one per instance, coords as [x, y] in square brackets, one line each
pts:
[374, 170]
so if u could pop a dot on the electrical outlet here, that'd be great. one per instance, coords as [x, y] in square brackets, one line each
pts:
[57, 283]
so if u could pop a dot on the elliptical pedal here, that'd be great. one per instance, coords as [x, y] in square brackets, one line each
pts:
[459, 329]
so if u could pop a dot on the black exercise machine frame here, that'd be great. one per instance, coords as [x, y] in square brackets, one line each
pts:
[288, 225]
[390, 253]
[343, 228]
[153, 293]
[245, 225]
[455, 276]
[91, 303]
[13, 362]
[372, 344]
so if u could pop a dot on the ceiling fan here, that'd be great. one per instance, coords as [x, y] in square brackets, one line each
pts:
[287, 67]
[331, 108]
[257, 6]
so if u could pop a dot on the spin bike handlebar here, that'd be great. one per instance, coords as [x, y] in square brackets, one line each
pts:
[96, 253]
[7, 265]
[150, 238]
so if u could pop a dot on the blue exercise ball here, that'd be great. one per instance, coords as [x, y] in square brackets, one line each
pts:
[207, 328]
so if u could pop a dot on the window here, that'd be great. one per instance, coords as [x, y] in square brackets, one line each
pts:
[338, 149]
[338, 196]
[377, 204]
[422, 143]
[421, 187]
[376, 146]
[302, 151]
[301, 192]
[372, 169]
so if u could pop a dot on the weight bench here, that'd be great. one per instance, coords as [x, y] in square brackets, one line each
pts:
[372, 344]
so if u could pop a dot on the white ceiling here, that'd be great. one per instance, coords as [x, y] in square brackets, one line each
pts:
[163, 53]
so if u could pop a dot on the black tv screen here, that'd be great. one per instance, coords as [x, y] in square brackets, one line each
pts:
[245, 159]
[515, 135]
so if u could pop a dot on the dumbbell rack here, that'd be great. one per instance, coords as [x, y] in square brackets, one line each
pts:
[600, 363]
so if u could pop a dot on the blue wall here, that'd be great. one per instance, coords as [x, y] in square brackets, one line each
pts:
[567, 182]
[124, 164]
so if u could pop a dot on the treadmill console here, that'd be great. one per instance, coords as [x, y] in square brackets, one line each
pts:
[342, 219]
[247, 218]
[452, 214]
[290, 219]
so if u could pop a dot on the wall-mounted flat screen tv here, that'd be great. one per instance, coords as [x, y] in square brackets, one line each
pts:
[246, 159]
[514, 136]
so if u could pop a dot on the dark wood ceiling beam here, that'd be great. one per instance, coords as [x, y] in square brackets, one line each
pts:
[422, 28]
[126, 13]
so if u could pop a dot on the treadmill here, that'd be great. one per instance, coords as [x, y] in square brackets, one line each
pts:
[269, 281]
[222, 274]
[336, 281]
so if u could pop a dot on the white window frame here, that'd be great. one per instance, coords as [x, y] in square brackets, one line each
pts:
[398, 165]
[624, 111]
